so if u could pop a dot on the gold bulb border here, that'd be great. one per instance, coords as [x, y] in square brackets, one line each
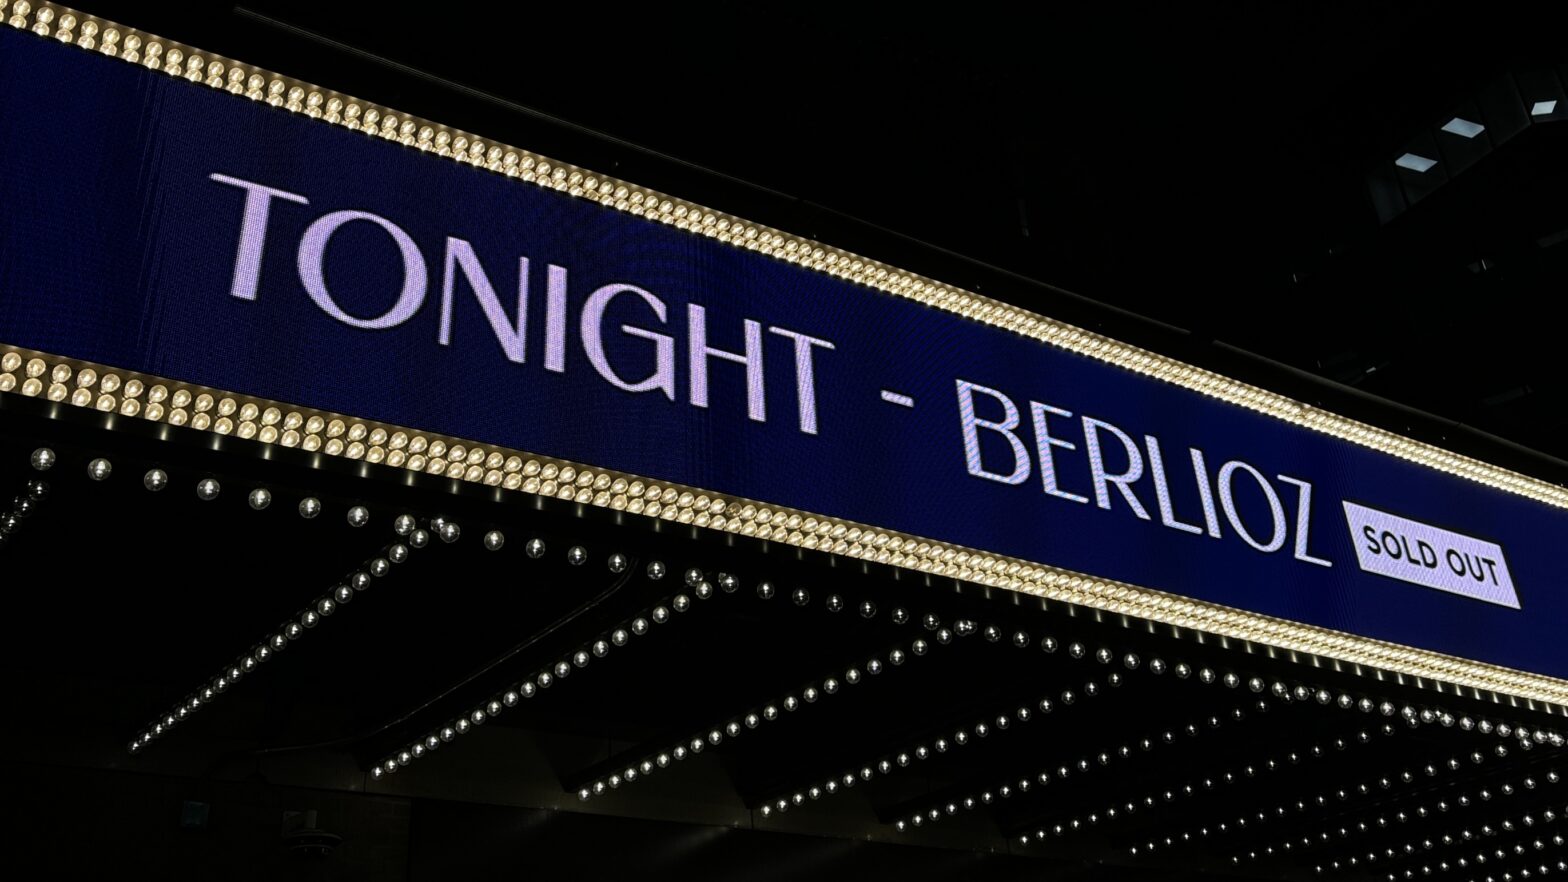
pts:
[128, 44]
[120, 394]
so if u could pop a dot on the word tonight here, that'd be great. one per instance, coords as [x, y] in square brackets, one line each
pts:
[510, 332]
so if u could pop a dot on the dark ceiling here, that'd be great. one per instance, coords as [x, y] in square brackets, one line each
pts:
[1202, 165]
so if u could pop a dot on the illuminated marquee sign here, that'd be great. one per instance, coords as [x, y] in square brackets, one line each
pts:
[159, 226]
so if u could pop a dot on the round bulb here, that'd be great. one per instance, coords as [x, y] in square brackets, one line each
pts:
[43, 459]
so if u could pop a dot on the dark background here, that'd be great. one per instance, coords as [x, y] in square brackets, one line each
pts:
[1203, 165]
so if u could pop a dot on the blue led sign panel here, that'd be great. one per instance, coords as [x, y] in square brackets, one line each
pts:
[162, 226]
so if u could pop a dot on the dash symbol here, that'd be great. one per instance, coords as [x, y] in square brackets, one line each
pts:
[897, 398]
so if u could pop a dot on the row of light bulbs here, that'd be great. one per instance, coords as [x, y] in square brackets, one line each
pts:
[667, 610]
[1480, 858]
[1255, 684]
[1454, 763]
[1413, 717]
[1500, 854]
[261, 498]
[1157, 666]
[889, 764]
[1226, 778]
[410, 537]
[1022, 640]
[1528, 871]
[828, 685]
[25, 505]
[1314, 753]
[1048, 773]
[1420, 812]
[702, 588]
[405, 526]
[1523, 873]
[208, 489]
[770, 711]
[1406, 776]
